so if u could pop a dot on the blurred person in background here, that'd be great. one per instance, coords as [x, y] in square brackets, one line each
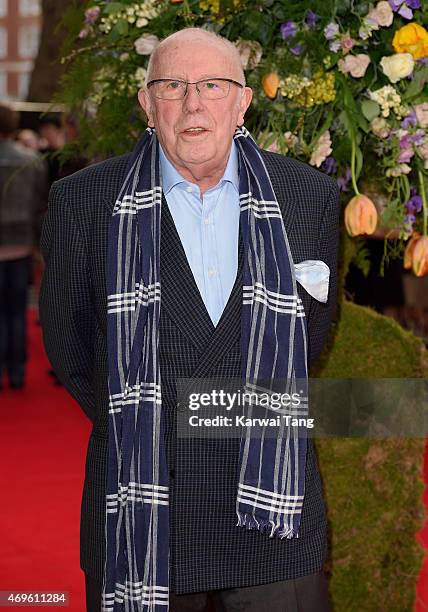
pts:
[56, 132]
[28, 139]
[23, 197]
[53, 141]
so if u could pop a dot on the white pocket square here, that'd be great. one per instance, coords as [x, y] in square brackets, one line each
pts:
[314, 275]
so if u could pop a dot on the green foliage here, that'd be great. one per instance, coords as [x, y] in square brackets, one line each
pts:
[373, 487]
[323, 98]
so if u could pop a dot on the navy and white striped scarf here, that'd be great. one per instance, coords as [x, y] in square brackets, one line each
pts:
[270, 490]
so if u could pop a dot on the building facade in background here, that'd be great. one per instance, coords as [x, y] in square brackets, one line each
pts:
[20, 26]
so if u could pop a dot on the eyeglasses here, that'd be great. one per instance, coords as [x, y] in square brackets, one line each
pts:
[208, 89]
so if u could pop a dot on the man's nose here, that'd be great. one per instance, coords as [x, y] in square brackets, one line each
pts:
[192, 100]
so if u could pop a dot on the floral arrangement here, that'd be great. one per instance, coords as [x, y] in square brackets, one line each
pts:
[342, 86]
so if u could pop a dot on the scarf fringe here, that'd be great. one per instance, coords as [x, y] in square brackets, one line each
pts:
[248, 521]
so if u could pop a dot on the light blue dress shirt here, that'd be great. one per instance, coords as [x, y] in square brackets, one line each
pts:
[208, 229]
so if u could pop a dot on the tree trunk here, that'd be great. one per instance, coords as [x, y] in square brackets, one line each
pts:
[47, 70]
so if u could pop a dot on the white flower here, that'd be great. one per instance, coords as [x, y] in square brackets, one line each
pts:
[322, 150]
[141, 22]
[379, 127]
[387, 98]
[397, 66]
[140, 76]
[146, 44]
[290, 139]
[123, 57]
[398, 170]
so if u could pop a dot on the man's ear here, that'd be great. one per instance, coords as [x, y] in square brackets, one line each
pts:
[145, 103]
[244, 103]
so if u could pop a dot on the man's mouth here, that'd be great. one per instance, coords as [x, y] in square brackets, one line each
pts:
[194, 131]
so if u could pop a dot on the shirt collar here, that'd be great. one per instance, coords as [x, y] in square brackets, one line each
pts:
[171, 177]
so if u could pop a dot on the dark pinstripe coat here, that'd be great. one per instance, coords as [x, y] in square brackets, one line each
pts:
[208, 551]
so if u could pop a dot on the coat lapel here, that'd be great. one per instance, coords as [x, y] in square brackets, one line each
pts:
[180, 294]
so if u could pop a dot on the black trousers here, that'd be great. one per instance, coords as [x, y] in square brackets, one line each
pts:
[307, 594]
[14, 279]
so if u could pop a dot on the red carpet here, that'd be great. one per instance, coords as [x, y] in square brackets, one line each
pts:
[44, 438]
[422, 587]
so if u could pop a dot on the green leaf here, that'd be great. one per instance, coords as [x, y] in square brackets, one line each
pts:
[226, 5]
[420, 78]
[114, 7]
[370, 109]
[121, 27]
[358, 161]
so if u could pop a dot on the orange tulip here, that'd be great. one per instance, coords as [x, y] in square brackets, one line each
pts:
[270, 84]
[408, 252]
[420, 257]
[360, 216]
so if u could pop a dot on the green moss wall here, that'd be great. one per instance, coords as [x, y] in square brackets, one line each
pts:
[373, 487]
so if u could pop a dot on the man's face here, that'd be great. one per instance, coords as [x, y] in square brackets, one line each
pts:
[192, 61]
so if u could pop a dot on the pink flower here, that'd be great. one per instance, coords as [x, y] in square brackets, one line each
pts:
[322, 150]
[85, 31]
[346, 43]
[355, 65]
[421, 111]
[405, 156]
[382, 14]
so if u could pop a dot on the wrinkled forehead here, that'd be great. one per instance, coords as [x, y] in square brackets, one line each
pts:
[195, 59]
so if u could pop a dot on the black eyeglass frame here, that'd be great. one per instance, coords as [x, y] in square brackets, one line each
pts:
[194, 83]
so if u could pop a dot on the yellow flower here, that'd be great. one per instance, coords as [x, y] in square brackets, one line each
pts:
[411, 38]
[210, 5]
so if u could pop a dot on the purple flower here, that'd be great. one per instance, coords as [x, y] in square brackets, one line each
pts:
[404, 7]
[405, 12]
[92, 14]
[312, 19]
[329, 165]
[405, 141]
[335, 45]
[288, 29]
[415, 203]
[331, 30]
[409, 120]
[409, 219]
[343, 181]
[418, 138]
[414, 4]
[296, 50]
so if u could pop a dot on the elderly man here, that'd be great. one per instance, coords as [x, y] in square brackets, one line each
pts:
[180, 261]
